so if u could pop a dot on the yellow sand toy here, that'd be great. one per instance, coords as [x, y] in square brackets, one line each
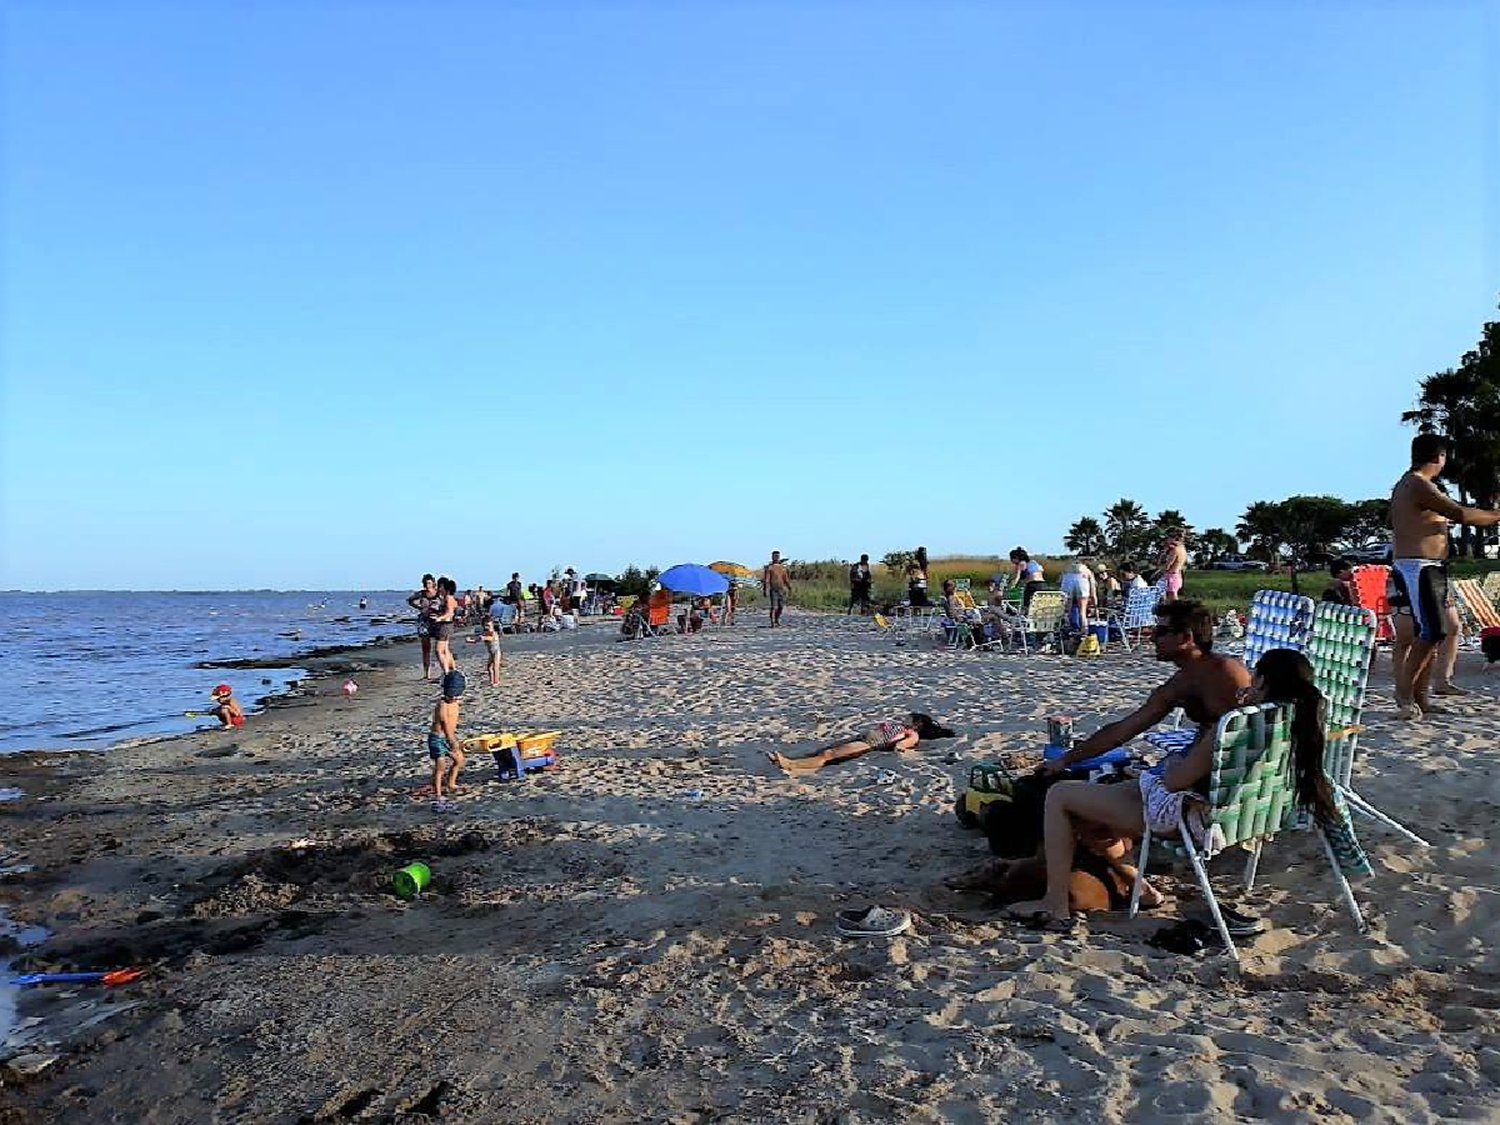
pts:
[518, 754]
[988, 782]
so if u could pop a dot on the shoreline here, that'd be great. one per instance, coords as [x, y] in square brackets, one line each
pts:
[646, 931]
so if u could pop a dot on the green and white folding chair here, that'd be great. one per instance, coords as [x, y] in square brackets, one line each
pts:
[1340, 648]
[1251, 798]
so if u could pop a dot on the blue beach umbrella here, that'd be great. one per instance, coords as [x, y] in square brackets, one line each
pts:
[690, 578]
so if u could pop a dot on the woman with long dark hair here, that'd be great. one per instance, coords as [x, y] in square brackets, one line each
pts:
[1285, 676]
[1174, 793]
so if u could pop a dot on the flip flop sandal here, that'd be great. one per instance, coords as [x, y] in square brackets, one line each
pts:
[1187, 938]
[1241, 924]
[876, 921]
[1043, 922]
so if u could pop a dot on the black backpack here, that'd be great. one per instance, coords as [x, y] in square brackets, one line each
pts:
[1014, 827]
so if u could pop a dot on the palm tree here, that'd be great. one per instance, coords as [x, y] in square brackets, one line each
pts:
[1125, 523]
[1085, 537]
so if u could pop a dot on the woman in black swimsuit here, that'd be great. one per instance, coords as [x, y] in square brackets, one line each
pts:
[443, 617]
[424, 601]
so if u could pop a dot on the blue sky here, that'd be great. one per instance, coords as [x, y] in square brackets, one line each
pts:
[328, 295]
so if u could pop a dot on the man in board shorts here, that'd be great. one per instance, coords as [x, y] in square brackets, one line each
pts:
[776, 584]
[1420, 515]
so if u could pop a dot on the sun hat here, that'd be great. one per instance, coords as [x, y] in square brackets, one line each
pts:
[222, 689]
[454, 684]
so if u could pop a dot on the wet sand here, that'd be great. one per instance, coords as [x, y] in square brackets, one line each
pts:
[647, 931]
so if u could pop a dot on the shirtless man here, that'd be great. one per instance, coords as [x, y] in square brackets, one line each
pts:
[1173, 559]
[776, 584]
[1420, 515]
[1206, 686]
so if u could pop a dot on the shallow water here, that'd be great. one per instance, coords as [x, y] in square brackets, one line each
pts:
[85, 670]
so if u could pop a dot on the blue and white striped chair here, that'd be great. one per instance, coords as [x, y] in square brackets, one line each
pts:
[1277, 620]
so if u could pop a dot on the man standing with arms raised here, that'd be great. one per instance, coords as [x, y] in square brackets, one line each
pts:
[1420, 515]
[776, 584]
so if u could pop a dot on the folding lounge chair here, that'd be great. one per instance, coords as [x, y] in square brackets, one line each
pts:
[1340, 650]
[1369, 584]
[1139, 613]
[1047, 610]
[659, 616]
[1277, 620]
[1251, 798]
[960, 634]
[1477, 604]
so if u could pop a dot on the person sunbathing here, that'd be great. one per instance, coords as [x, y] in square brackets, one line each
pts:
[904, 733]
[1206, 686]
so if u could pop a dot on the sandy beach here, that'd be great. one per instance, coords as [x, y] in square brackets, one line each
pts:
[647, 931]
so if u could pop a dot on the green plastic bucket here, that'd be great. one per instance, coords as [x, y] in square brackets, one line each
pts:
[411, 879]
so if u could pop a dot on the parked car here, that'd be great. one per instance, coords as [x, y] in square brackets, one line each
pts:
[1371, 554]
[1236, 562]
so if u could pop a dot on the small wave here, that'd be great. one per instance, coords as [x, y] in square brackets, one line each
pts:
[91, 731]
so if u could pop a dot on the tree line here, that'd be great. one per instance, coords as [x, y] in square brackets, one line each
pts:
[1462, 403]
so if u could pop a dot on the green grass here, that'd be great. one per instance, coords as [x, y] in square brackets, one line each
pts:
[1220, 589]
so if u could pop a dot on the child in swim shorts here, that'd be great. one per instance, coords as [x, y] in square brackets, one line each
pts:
[227, 708]
[443, 745]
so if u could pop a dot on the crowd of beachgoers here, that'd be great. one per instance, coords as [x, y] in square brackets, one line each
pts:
[714, 803]
[1073, 815]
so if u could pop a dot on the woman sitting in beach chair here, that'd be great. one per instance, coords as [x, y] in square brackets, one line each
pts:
[1175, 791]
[903, 733]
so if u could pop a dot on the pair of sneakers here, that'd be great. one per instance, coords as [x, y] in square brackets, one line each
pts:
[873, 921]
[444, 806]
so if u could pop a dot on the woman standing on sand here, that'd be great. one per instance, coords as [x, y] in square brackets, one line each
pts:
[425, 601]
[916, 579]
[442, 623]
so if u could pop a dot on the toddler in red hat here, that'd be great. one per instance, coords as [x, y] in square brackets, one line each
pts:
[228, 712]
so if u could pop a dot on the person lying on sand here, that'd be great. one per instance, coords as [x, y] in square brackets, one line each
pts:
[903, 733]
[1176, 789]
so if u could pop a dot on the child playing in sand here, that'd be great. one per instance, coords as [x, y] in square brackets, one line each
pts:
[490, 635]
[228, 710]
[443, 746]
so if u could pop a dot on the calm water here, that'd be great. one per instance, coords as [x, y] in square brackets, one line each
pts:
[89, 669]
